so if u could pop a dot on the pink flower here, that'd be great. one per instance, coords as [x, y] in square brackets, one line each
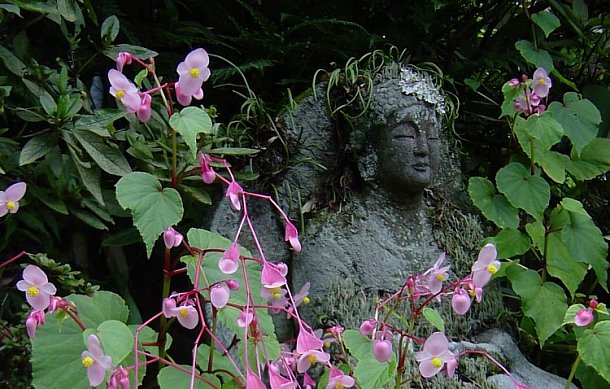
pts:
[233, 284]
[542, 82]
[460, 301]
[436, 275]
[307, 341]
[338, 380]
[144, 111]
[185, 100]
[207, 173]
[172, 238]
[253, 381]
[276, 297]
[124, 90]
[336, 330]
[95, 361]
[311, 357]
[475, 291]
[245, 318]
[119, 376]
[368, 327]
[382, 346]
[291, 235]
[9, 199]
[434, 355]
[219, 295]
[583, 317]
[186, 313]
[122, 59]
[278, 382]
[308, 382]
[271, 276]
[233, 192]
[593, 304]
[514, 82]
[38, 290]
[228, 263]
[193, 72]
[485, 266]
[302, 297]
[35, 319]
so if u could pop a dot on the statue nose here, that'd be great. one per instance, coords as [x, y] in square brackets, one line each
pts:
[421, 144]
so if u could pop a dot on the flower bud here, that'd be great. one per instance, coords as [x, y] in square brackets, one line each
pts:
[382, 350]
[367, 327]
[233, 284]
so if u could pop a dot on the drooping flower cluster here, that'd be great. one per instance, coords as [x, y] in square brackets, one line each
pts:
[39, 293]
[532, 98]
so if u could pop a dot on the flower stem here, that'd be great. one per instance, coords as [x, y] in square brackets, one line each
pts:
[573, 372]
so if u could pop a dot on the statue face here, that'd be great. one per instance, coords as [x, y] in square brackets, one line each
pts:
[408, 151]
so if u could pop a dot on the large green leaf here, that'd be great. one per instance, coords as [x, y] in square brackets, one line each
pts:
[369, 372]
[109, 159]
[547, 21]
[89, 176]
[579, 117]
[100, 307]
[537, 57]
[203, 239]
[554, 164]
[37, 147]
[494, 206]
[141, 52]
[219, 362]
[523, 190]
[594, 159]
[560, 264]
[544, 302]
[190, 122]
[153, 207]
[511, 242]
[172, 378]
[116, 339]
[594, 348]
[577, 227]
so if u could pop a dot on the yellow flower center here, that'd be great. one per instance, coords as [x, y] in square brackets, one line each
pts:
[11, 205]
[194, 72]
[492, 269]
[541, 81]
[306, 300]
[471, 292]
[88, 362]
[339, 385]
[120, 94]
[440, 277]
[33, 291]
[312, 359]
[276, 292]
[327, 344]
[437, 362]
[183, 312]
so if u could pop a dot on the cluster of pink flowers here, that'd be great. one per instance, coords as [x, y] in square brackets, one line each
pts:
[532, 99]
[193, 72]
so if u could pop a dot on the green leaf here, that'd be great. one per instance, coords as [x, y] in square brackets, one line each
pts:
[203, 239]
[579, 8]
[594, 348]
[171, 378]
[100, 307]
[90, 177]
[12, 63]
[434, 318]
[511, 242]
[538, 133]
[589, 378]
[571, 313]
[49, 198]
[37, 147]
[255, 347]
[547, 21]
[544, 302]
[11, 8]
[67, 9]
[141, 52]
[538, 58]
[600, 96]
[110, 29]
[494, 206]
[190, 122]
[510, 95]
[48, 104]
[233, 151]
[89, 218]
[109, 159]
[535, 230]
[117, 340]
[100, 121]
[531, 193]
[561, 265]
[554, 164]
[198, 194]
[579, 117]
[153, 207]
[369, 372]
[220, 362]
[594, 160]
[123, 238]
[358, 345]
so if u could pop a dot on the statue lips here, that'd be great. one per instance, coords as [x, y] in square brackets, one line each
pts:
[421, 166]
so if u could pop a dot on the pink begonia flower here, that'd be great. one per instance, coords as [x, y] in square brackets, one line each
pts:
[583, 317]
[185, 100]
[436, 275]
[95, 361]
[593, 304]
[434, 355]
[475, 291]
[229, 262]
[542, 82]
[460, 302]
[124, 90]
[307, 341]
[193, 72]
[311, 357]
[485, 266]
[207, 173]
[253, 381]
[186, 313]
[233, 284]
[271, 275]
[219, 295]
[338, 380]
[144, 111]
[277, 381]
[234, 192]
[172, 238]
[9, 199]
[276, 297]
[336, 330]
[119, 376]
[368, 327]
[35, 319]
[245, 318]
[122, 59]
[382, 346]
[291, 235]
[38, 290]
[308, 382]
[514, 82]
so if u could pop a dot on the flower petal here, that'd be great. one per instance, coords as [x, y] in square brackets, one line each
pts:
[16, 191]
[34, 275]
